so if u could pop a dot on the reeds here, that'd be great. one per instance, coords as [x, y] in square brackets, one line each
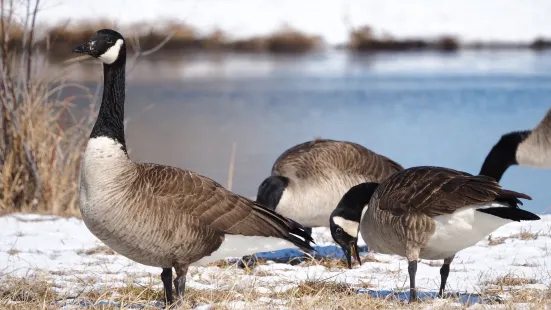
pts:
[40, 142]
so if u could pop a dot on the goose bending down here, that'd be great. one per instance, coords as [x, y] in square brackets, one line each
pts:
[309, 179]
[158, 215]
[530, 148]
[425, 213]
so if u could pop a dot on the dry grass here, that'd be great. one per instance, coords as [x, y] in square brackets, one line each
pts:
[41, 141]
[510, 280]
[98, 250]
[496, 241]
[525, 235]
[38, 294]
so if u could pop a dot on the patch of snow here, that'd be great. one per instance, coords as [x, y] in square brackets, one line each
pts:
[64, 252]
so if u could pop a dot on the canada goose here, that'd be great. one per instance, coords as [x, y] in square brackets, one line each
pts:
[425, 212]
[531, 148]
[309, 179]
[158, 215]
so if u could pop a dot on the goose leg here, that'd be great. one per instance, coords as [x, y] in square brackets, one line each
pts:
[166, 277]
[444, 272]
[412, 254]
[180, 281]
[412, 270]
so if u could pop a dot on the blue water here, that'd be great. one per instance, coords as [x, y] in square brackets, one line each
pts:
[417, 108]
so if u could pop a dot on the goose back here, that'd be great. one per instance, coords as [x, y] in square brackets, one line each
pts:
[319, 172]
[317, 161]
[405, 209]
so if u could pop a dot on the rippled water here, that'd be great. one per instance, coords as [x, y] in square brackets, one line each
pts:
[417, 108]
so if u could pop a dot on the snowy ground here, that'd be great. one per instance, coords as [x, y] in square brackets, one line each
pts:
[63, 252]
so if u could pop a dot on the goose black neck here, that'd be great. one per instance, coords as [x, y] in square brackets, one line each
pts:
[354, 201]
[503, 155]
[110, 121]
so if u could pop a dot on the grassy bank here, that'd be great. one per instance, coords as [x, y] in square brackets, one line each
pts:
[40, 141]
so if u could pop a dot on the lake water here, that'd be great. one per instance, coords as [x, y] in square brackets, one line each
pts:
[417, 108]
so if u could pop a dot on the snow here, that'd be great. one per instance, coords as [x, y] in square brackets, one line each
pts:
[64, 252]
[507, 20]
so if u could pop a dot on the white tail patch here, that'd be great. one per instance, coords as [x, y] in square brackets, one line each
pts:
[349, 227]
[112, 53]
[462, 229]
[239, 246]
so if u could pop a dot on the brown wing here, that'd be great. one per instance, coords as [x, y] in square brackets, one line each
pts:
[436, 191]
[216, 207]
[318, 157]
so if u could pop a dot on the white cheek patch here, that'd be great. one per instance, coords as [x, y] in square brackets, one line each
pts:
[349, 227]
[111, 55]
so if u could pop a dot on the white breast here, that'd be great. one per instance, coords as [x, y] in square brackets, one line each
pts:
[103, 161]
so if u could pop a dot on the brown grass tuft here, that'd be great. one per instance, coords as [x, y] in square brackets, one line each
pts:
[525, 235]
[311, 288]
[510, 280]
[496, 241]
[98, 250]
[22, 290]
[13, 252]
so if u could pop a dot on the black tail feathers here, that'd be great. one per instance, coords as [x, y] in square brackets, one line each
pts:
[513, 214]
[297, 231]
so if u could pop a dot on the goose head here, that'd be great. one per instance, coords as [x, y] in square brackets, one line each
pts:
[106, 44]
[344, 221]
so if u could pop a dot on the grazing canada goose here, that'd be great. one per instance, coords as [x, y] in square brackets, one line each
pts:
[425, 212]
[309, 179]
[531, 148]
[158, 215]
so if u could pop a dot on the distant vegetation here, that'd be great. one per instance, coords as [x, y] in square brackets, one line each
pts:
[57, 40]
[363, 39]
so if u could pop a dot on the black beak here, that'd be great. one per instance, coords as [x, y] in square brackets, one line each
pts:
[82, 49]
[349, 251]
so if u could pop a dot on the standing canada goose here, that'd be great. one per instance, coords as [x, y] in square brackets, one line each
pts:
[158, 215]
[425, 212]
[309, 179]
[531, 148]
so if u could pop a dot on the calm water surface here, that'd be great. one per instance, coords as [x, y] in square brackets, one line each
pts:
[418, 109]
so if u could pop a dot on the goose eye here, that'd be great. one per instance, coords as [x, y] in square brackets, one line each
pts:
[338, 231]
[109, 40]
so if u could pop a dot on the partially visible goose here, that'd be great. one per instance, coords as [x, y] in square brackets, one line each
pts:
[309, 179]
[531, 148]
[163, 216]
[425, 213]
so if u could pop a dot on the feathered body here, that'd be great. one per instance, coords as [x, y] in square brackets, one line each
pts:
[437, 212]
[316, 174]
